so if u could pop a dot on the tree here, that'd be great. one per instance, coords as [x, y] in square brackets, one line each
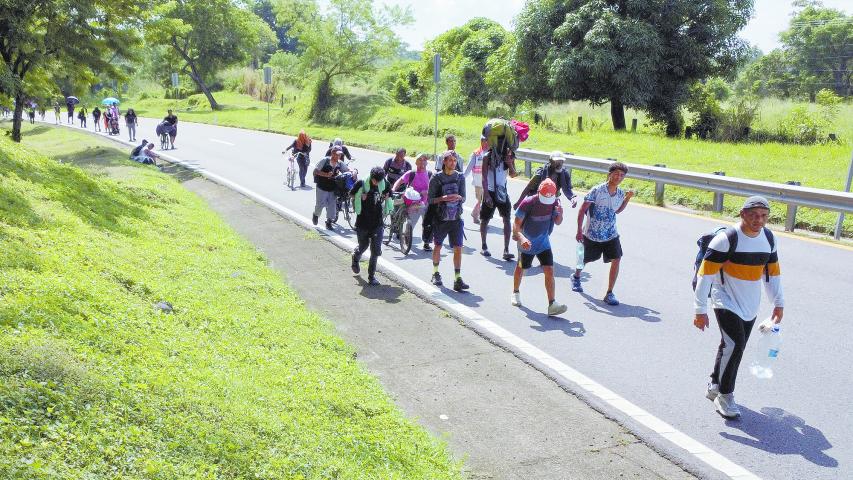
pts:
[820, 42]
[206, 36]
[37, 36]
[266, 11]
[468, 53]
[642, 53]
[346, 39]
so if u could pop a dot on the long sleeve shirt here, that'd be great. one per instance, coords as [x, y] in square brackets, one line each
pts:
[743, 272]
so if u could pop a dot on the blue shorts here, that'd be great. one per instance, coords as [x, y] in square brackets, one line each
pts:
[451, 229]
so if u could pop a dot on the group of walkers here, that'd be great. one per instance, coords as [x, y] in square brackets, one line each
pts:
[110, 116]
[738, 261]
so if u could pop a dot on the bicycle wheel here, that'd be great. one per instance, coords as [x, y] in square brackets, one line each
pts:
[349, 214]
[290, 177]
[388, 228]
[406, 239]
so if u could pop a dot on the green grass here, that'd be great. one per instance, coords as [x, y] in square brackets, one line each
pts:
[383, 125]
[241, 381]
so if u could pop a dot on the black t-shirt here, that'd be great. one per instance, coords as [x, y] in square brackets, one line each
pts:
[371, 207]
[327, 184]
[394, 172]
[172, 119]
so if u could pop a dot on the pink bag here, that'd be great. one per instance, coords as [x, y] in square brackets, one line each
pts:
[521, 128]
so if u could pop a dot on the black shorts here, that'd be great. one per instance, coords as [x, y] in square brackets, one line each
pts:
[546, 259]
[592, 250]
[449, 228]
[487, 212]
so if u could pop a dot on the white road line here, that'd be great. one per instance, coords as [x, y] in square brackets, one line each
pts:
[660, 428]
[222, 142]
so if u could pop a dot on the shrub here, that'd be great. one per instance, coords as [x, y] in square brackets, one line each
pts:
[801, 126]
[736, 121]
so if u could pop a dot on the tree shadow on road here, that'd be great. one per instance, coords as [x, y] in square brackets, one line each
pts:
[623, 310]
[547, 324]
[776, 431]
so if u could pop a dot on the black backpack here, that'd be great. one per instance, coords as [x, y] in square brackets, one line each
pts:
[731, 234]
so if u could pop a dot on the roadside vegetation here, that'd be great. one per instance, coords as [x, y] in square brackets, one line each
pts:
[238, 380]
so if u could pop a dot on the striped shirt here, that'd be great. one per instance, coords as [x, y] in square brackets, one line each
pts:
[744, 274]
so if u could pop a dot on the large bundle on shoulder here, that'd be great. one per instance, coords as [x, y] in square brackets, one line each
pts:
[503, 134]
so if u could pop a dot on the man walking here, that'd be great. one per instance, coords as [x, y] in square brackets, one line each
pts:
[738, 261]
[534, 221]
[600, 237]
[475, 167]
[429, 216]
[370, 202]
[324, 175]
[557, 173]
[496, 170]
[447, 195]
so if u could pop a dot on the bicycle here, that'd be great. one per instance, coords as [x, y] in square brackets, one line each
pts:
[290, 179]
[397, 223]
[164, 141]
[344, 205]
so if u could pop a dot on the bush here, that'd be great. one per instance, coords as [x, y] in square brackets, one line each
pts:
[801, 126]
[706, 110]
[736, 121]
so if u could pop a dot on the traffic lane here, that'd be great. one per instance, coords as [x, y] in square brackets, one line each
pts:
[625, 340]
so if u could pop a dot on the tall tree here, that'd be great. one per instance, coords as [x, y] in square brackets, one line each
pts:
[266, 11]
[631, 53]
[345, 39]
[76, 34]
[206, 36]
[819, 42]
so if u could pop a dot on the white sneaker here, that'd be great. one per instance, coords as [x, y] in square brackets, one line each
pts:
[726, 406]
[516, 299]
[713, 391]
[556, 308]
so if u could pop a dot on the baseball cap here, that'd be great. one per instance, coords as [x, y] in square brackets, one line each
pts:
[547, 191]
[557, 155]
[336, 148]
[756, 201]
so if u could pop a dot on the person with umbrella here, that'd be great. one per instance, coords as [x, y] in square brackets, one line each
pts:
[69, 105]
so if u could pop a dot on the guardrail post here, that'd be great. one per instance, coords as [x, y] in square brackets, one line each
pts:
[634, 125]
[718, 196]
[528, 170]
[791, 217]
[839, 225]
[580, 123]
[659, 186]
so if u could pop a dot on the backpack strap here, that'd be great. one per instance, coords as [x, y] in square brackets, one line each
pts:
[731, 235]
[772, 241]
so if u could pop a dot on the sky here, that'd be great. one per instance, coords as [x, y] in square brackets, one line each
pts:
[437, 16]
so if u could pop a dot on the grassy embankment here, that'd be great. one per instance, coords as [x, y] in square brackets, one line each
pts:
[240, 381]
[374, 122]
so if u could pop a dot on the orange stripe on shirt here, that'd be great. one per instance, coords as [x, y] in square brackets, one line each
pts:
[744, 272]
[709, 268]
[773, 269]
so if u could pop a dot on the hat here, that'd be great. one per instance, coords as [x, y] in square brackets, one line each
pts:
[557, 155]
[547, 191]
[336, 148]
[755, 201]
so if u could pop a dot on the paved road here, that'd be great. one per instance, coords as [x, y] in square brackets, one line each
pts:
[796, 425]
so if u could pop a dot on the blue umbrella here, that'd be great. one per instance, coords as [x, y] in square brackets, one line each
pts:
[74, 100]
[110, 101]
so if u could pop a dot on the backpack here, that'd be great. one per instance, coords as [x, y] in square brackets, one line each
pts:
[500, 135]
[731, 234]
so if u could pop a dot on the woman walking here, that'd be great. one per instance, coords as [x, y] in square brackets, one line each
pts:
[302, 145]
[130, 120]
[82, 116]
[96, 117]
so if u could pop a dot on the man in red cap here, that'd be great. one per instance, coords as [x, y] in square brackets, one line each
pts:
[534, 221]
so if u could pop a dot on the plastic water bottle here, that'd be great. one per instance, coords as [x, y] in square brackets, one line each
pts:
[579, 250]
[768, 352]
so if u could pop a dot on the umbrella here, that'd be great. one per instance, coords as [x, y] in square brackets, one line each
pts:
[110, 101]
[74, 100]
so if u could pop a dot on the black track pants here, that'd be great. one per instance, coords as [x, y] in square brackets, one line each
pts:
[735, 333]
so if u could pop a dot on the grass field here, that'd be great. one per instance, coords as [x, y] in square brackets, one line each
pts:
[239, 381]
[378, 123]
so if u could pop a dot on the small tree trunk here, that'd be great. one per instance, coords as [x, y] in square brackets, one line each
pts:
[322, 99]
[196, 76]
[617, 114]
[17, 118]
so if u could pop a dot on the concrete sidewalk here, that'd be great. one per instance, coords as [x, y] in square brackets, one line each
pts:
[502, 417]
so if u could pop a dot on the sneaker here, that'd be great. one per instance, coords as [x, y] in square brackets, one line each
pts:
[576, 284]
[373, 282]
[427, 248]
[459, 285]
[314, 219]
[726, 406]
[556, 308]
[713, 391]
[610, 299]
[436, 279]
[508, 256]
[485, 252]
[328, 224]
[515, 299]
[355, 266]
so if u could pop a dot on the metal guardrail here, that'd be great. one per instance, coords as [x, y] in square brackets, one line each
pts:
[791, 194]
